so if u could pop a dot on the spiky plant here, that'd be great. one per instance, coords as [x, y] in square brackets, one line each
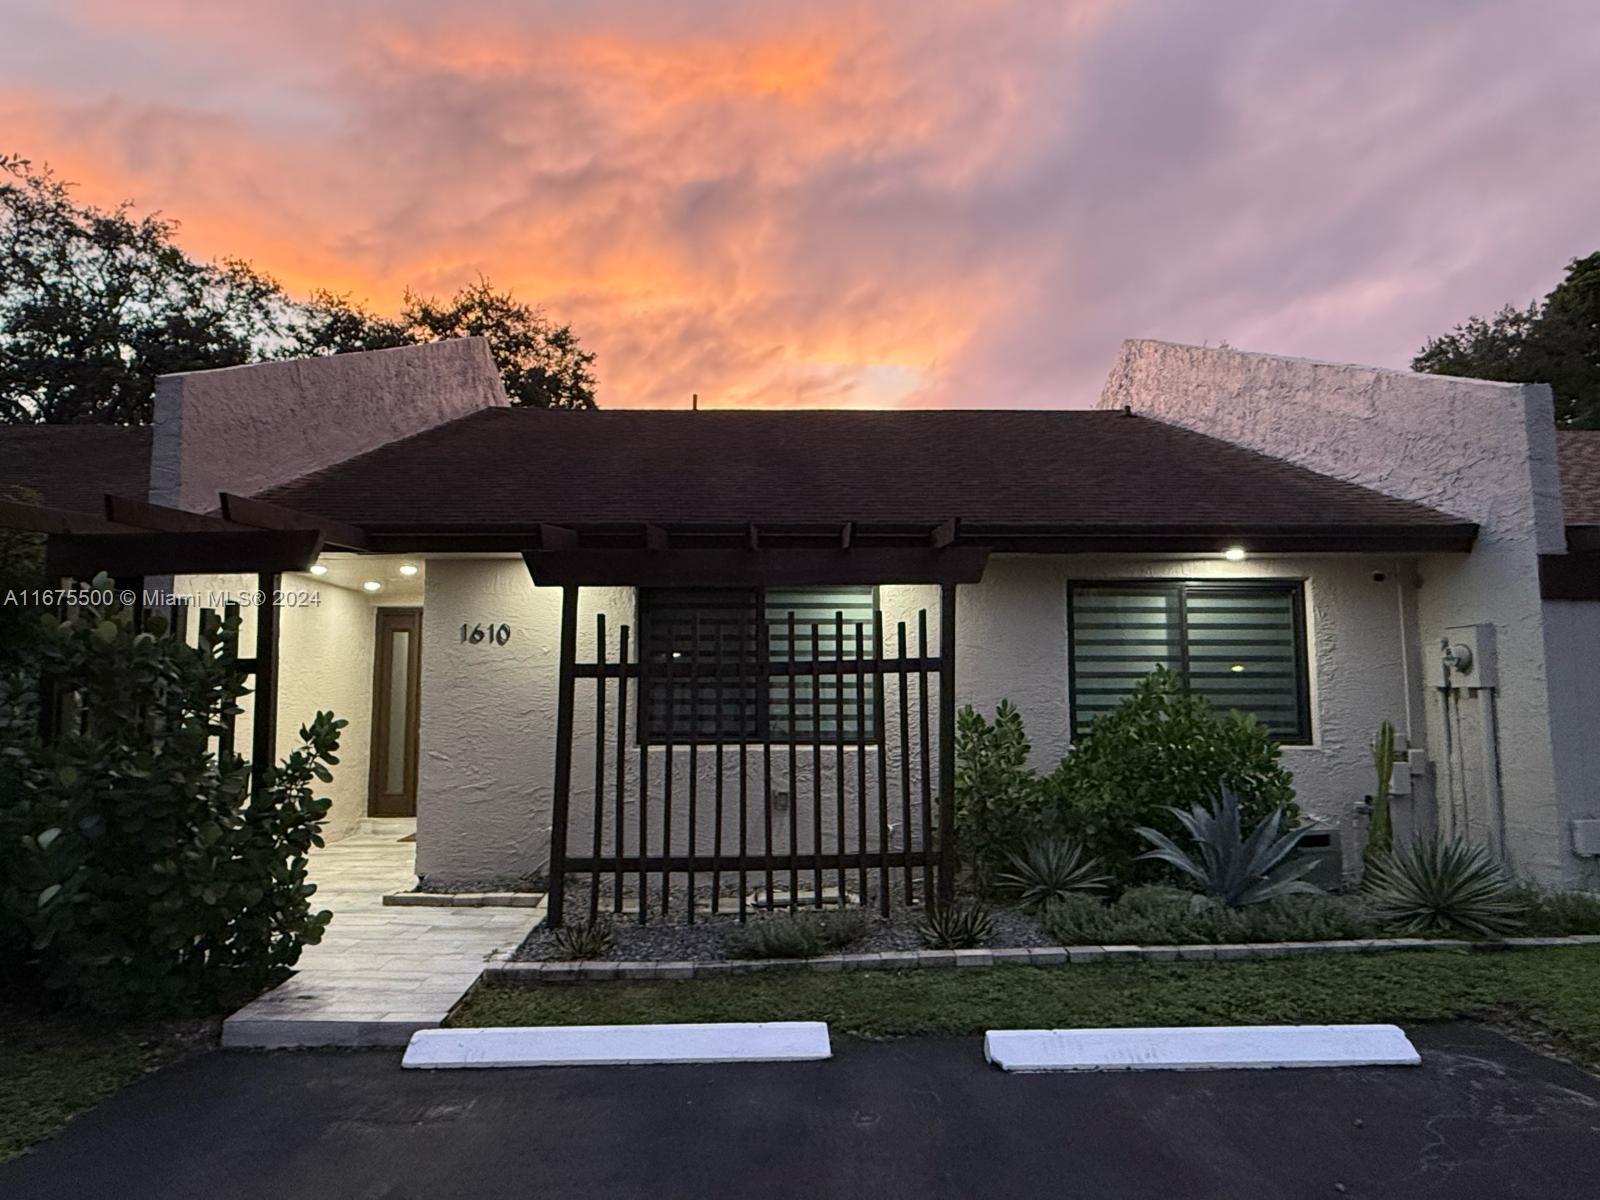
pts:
[584, 941]
[955, 926]
[1234, 868]
[1438, 885]
[778, 936]
[1380, 826]
[1049, 869]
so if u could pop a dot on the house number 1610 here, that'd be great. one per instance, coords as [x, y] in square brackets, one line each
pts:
[499, 635]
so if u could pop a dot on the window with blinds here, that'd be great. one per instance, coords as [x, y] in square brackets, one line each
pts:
[710, 655]
[1242, 646]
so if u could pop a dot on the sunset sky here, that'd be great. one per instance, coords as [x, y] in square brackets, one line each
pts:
[931, 203]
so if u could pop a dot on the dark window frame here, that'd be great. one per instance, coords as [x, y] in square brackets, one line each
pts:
[764, 679]
[1305, 732]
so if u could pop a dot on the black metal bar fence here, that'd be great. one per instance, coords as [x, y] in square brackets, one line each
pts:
[803, 730]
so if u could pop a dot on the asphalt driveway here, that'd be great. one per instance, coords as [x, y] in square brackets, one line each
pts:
[1483, 1117]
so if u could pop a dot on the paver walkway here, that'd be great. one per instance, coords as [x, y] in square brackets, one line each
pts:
[379, 974]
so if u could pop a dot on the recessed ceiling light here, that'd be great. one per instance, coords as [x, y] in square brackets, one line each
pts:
[1237, 668]
[372, 585]
[409, 568]
[1234, 554]
[318, 569]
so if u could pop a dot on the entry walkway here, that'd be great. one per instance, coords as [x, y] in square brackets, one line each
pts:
[379, 974]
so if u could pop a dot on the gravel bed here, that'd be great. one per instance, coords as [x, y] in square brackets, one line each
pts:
[709, 938]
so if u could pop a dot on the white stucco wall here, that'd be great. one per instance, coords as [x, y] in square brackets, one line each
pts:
[1481, 451]
[488, 723]
[246, 429]
[324, 663]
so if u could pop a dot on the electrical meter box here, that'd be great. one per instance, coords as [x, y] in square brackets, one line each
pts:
[1468, 652]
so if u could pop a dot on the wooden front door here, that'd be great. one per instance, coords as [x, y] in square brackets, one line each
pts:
[396, 676]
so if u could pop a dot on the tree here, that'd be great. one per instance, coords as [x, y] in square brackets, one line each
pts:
[96, 304]
[541, 363]
[1555, 340]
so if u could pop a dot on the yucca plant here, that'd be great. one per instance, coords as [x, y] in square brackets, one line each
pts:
[778, 936]
[585, 941]
[1440, 886]
[955, 926]
[1047, 870]
[1234, 868]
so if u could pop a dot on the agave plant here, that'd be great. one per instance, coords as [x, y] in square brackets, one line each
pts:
[955, 926]
[1049, 869]
[1233, 868]
[1439, 885]
[585, 941]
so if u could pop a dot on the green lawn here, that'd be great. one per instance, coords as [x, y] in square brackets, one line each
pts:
[1553, 995]
[53, 1067]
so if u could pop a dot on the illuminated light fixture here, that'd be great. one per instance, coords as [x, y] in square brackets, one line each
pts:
[318, 569]
[409, 569]
[372, 585]
[1234, 554]
[1237, 668]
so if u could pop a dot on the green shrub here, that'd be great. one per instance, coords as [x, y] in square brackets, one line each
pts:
[1443, 886]
[137, 875]
[954, 925]
[1150, 916]
[1161, 749]
[585, 941]
[799, 935]
[1048, 869]
[997, 794]
[1232, 867]
[1558, 914]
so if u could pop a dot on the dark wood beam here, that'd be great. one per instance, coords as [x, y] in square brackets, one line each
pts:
[249, 551]
[125, 510]
[943, 534]
[259, 514]
[557, 537]
[1570, 576]
[655, 537]
[37, 518]
[752, 536]
[1583, 538]
[742, 568]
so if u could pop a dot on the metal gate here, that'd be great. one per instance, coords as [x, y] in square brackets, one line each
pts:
[763, 763]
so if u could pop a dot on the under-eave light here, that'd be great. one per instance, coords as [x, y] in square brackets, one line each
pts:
[318, 569]
[409, 569]
[1234, 554]
[372, 585]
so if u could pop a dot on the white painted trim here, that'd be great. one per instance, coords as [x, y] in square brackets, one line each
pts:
[619, 1045]
[1199, 1048]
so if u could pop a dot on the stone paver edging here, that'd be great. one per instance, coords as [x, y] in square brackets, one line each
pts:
[463, 899]
[1044, 956]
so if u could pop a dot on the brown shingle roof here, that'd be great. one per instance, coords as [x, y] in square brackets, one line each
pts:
[506, 468]
[1578, 451]
[74, 466]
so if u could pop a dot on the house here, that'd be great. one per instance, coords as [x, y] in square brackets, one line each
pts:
[1323, 546]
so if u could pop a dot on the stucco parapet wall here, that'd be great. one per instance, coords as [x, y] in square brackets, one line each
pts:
[532, 973]
[249, 428]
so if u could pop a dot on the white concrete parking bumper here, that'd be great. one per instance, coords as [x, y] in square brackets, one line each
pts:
[619, 1045]
[1200, 1048]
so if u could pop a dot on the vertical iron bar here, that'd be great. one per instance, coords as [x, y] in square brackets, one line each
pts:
[618, 829]
[838, 749]
[264, 730]
[794, 790]
[947, 741]
[861, 765]
[718, 732]
[883, 761]
[816, 764]
[599, 761]
[230, 610]
[927, 773]
[905, 768]
[669, 747]
[694, 754]
[647, 713]
[764, 700]
[563, 780]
